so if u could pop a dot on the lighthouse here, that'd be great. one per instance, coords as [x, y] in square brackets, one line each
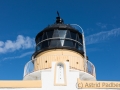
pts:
[60, 57]
[59, 62]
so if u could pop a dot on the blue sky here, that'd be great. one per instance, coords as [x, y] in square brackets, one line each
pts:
[21, 20]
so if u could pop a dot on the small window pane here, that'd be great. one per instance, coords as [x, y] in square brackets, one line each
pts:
[68, 43]
[55, 43]
[74, 43]
[73, 35]
[44, 44]
[40, 38]
[37, 40]
[49, 42]
[80, 39]
[79, 47]
[50, 34]
[62, 33]
[44, 36]
[77, 37]
[62, 42]
[68, 34]
[55, 34]
[38, 47]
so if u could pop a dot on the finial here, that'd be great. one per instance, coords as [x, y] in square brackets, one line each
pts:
[58, 14]
[58, 19]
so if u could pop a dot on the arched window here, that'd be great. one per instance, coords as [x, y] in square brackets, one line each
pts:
[60, 74]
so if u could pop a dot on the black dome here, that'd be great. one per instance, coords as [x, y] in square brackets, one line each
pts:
[59, 36]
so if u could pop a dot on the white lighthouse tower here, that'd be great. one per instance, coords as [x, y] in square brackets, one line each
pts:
[60, 58]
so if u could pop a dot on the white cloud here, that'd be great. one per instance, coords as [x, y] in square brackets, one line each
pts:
[103, 26]
[95, 38]
[20, 43]
[21, 56]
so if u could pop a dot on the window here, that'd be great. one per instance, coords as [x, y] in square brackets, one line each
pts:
[59, 38]
[55, 43]
[60, 74]
[77, 37]
[80, 39]
[73, 35]
[68, 43]
[79, 47]
[55, 34]
[50, 34]
[40, 38]
[44, 44]
[74, 44]
[62, 33]
[68, 34]
[38, 47]
[44, 36]
[62, 42]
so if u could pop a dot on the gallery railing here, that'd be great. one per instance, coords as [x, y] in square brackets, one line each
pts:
[89, 68]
